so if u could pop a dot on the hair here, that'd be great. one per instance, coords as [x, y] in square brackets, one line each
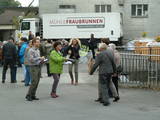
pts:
[105, 40]
[92, 35]
[34, 40]
[102, 46]
[78, 41]
[38, 37]
[56, 44]
[11, 38]
[49, 41]
[112, 46]
[24, 39]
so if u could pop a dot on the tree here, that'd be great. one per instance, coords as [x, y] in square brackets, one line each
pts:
[8, 3]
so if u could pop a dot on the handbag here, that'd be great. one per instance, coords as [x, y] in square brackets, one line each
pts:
[91, 62]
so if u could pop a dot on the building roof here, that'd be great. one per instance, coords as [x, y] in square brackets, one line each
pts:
[7, 16]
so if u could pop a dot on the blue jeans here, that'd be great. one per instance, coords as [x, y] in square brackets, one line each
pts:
[28, 75]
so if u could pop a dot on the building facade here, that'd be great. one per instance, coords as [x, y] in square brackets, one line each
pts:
[138, 15]
[7, 25]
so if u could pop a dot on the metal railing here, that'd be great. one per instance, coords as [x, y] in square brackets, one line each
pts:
[141, 66]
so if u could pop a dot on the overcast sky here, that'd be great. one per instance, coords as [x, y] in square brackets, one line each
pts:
[27, 2]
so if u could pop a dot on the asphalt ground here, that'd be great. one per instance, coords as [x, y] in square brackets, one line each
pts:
[75, 102]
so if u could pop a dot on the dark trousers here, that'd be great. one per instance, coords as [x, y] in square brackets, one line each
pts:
[10, 63]
[115, 82]
[15, 73]
[104, 81]
[93, 53]
[35, 75]
[56, 78]
[48, 71]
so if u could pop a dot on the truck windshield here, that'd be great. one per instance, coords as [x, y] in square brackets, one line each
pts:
[25, 26]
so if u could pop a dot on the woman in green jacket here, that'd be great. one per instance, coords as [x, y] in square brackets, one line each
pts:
[56, 66]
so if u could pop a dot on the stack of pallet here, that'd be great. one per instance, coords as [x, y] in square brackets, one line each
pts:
[145, 49]
[140, 48]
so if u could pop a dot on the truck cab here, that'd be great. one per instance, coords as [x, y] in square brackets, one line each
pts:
[29, 24]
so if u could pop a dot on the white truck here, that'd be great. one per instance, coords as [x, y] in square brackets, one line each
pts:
[75, 25]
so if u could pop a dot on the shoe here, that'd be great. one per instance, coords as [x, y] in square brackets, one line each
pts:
[27, 85]
[116, 99]
[76, 83]
[101, 101]
[98, 100]
[34, 98]
[22, 81]
[72, 82]
[3, 81]
[54, 95]
[106, 104]
[29, 98]
[13, 81]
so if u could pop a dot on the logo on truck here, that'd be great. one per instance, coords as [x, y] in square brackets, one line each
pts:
[80, 22]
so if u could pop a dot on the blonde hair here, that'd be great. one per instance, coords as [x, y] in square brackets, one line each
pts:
[102, 46]
[78, 41]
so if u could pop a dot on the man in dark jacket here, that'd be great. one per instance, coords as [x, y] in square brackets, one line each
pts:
[92, 45]
[105, 62]
[9, 55]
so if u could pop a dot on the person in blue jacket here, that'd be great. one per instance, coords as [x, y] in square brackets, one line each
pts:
[24, 45]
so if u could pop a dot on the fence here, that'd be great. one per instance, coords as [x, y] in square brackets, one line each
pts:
[141, 66]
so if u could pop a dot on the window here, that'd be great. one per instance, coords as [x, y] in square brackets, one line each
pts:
[25, 26]
[67, 6]
[139, 10]
[102, 8]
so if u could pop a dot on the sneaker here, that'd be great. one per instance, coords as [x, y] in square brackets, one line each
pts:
[98, 100]
[34, 98]
[106, 104]
[29, 98]
[116, 99]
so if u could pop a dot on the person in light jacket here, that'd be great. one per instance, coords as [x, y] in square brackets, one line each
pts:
[117, 57]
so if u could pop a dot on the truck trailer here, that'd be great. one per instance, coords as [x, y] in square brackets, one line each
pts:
[75, 25]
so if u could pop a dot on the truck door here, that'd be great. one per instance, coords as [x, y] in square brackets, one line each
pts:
[25, 28]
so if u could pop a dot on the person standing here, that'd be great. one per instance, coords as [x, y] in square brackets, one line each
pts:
[34, 60]
[48, 49]
[92, 45]
[117, 57]
[73, 50]
[30, 36]
[24, 45]
[105, 61]
[27, 65]
[56, 66]
[9, 55]
[1, 44]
